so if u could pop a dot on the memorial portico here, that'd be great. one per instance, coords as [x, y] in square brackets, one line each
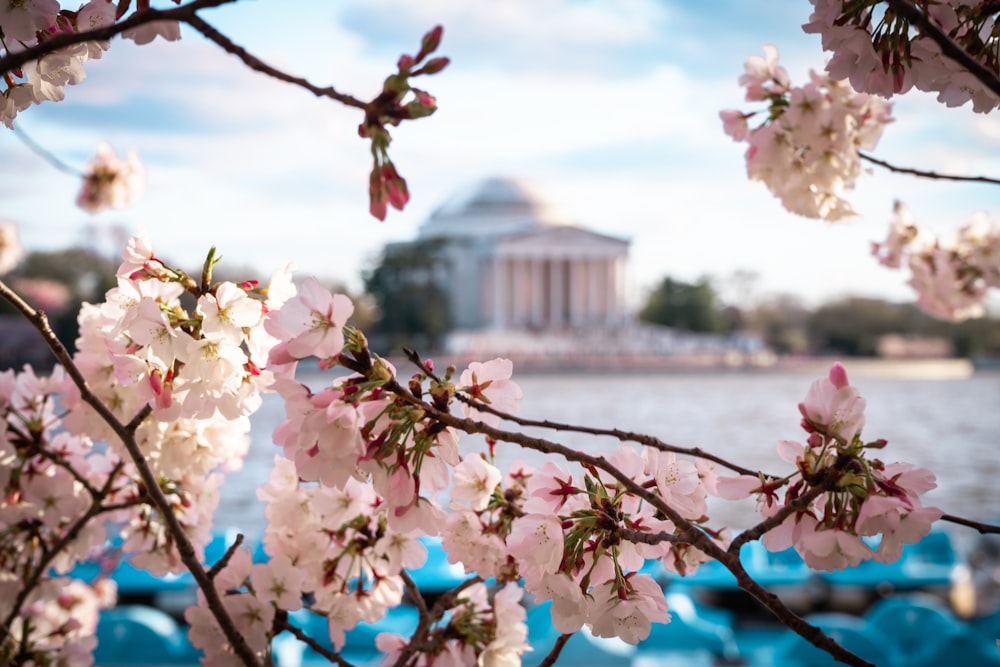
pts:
[513, 264]
[554, 279]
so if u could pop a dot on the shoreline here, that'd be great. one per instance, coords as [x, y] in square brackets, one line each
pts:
[922, 369]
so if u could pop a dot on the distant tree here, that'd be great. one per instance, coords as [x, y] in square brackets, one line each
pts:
[781, 320]
[58, 282]
[411, 305]
[688, 306]
[854, 325]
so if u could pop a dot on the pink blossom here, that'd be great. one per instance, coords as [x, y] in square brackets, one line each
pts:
[278, 581]
[111, 182]
[832, 549]
[834, 407]
[490, 383]
[536, 541]
[21, 20]
[474, 482]
[312, 322]
[10, 247]
[147, 32]
[571, 607]
[629, 616]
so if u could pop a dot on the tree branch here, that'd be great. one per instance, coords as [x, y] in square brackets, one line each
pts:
[184, 14]
[557, 648]
[18, 59]
[928, 174]
[621, 436]
[983, 528]
[299, 634]
[256, 64]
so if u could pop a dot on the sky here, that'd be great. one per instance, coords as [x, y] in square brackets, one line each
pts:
[608, 108]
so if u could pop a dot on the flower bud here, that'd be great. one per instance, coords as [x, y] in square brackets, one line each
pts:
[435, 65]
[430, 42]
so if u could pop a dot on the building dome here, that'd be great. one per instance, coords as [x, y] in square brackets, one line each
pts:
[494, 207]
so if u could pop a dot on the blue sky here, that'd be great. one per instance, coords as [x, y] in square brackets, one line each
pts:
[609, 108]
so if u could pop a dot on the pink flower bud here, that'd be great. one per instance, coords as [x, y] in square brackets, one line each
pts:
[838, 376]
[405, 63]
[430, 42]
[435, 65]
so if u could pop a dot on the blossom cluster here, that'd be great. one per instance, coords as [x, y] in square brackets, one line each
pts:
[31, 22]
[49, 481]
[879, 55]
[839, 502]
[806, 149]
[952, 275]
[191, 354]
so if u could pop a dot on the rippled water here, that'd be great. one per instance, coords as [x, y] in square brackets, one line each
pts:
[951, 426]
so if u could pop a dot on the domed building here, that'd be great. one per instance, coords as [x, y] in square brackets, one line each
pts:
[509, 263]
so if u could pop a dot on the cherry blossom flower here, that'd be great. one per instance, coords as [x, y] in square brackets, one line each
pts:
[10, 247]
[834, 407]
[22, 20]
[475, 480]
[490, 383]
[278, 581]
[312, 322]
[111, 182]
[629, 615]
[147, 32]
[536, 541]
[227, 312]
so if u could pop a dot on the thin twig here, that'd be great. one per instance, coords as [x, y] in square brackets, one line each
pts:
[299, 634]
[557, 648]
[776, 519]
[418, 598]
[983, 528]
[218, 567]
[426, 622]
[43, 153]
[928, 174]
[256, 64]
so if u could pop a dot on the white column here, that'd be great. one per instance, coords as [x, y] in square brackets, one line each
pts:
[621, 291]
[614, 292]
[594, 291]
[521, 292]
[537, 293]
[499, 293]
[606, 314]
[557, 294]
[577, 291]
